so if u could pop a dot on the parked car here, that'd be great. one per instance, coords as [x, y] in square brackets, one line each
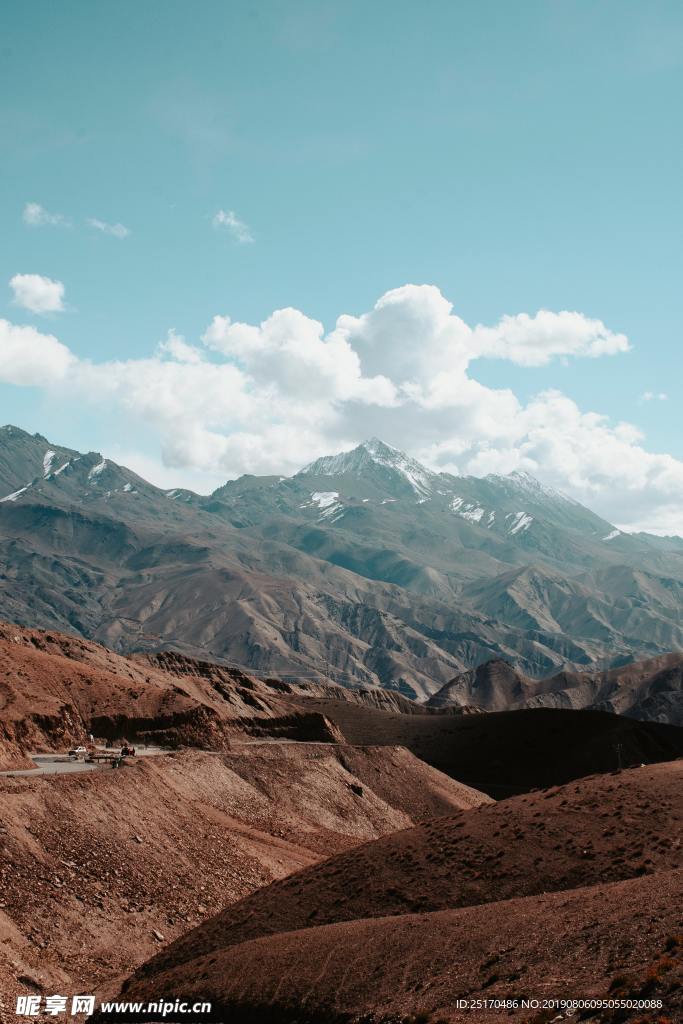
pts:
[77, 752]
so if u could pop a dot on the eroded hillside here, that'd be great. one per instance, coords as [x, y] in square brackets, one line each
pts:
[98, 870]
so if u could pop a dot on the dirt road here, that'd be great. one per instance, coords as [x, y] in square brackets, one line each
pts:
[61, 764]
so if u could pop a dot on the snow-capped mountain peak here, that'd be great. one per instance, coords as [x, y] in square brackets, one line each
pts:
[373, 455]
[524, 483]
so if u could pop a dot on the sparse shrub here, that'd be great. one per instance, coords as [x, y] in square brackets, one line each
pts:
[621, 981]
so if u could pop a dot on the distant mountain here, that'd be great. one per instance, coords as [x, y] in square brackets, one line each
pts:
[365, 567]
[376, 464]
[650, 690]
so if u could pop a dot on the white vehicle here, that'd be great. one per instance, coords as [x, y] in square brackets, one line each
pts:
[76, 753]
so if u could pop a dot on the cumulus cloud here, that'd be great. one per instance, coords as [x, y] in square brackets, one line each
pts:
[602, 464]
[36, 216]
[31, 359]
[229, 220]
[268, 397]
[37, 294]
[289, 353]
[116, 230]
[536, 340]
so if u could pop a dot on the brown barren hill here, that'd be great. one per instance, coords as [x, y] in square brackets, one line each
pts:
[55, 689]
[509, 752]
[553, 946]
[597, 830]
[95, 867]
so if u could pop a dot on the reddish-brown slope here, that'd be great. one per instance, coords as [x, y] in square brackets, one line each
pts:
[551, 946]
[596, 830]
[55, 689]
[91, 865]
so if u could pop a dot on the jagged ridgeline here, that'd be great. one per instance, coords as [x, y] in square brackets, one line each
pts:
[365, 567]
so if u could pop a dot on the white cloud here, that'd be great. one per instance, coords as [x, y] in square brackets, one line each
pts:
[229, 220]
[116, 230]
[37, 294]
[175, 347]
[654, 396]
[535, 340]
[31, 359]
[267, 398]
[601, 464]
[36, 216]
[288, 352]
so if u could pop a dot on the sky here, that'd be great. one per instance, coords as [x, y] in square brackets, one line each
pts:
[238, 236]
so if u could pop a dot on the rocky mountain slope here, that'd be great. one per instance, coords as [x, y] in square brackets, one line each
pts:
[651, 690]
[365, 568]
[468, 859]
[56, 689]
[448, 965]
[98, 869]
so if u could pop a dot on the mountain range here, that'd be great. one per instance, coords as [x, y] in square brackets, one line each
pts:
[366, 568]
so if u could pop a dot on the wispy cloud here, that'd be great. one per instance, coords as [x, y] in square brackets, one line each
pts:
[116, 230]
[175, 347]
[654, 396]
[36, 216]
[229, 220]
[37, 294]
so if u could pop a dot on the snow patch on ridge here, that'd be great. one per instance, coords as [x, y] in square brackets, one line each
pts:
[468, 510]
[47, 461]
[521, 521]
[323, 499]
[612, 535]
[15, 494]
[96, 470]
[331, 509]
[472, 514]
[527, 483]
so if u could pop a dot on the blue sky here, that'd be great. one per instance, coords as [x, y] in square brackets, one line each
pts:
[515, 156]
